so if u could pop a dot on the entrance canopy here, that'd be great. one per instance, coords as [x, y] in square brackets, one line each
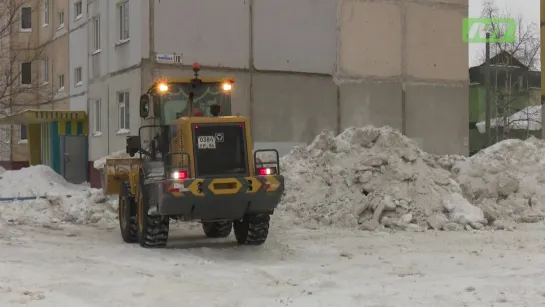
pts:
[66, 120]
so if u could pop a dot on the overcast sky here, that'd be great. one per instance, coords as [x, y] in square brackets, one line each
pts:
[528, 9]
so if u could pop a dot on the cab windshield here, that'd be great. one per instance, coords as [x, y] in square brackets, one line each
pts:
[174, 104]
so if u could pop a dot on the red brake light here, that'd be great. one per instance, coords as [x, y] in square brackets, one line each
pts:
[178, 175]
[266, 171]
[196, 127]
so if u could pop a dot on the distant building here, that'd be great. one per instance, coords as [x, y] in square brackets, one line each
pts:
[515, 90]
[41, 126]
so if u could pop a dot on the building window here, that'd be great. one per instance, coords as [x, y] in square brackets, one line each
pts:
[26, 18]
[45, 70]
[61, 20]
[23, 133]
[123, 107]
[61, 83]
[26, 73]
[77, 76]
[46, 12]
[96, 116]
[78, 10]
[123, 22]
[96, 34]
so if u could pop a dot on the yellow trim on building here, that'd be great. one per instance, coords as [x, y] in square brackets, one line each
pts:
[30, 117]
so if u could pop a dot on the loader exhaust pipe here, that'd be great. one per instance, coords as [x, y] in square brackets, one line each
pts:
[194, 83]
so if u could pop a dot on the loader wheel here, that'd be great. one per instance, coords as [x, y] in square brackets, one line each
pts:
[252, 230]
[152, 230]
[218, 229]
[127, 215]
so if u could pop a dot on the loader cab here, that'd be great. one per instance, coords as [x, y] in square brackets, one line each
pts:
[169, 100]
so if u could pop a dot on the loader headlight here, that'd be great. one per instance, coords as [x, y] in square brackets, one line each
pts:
[176, 175]
[162, 87]
[227, 86]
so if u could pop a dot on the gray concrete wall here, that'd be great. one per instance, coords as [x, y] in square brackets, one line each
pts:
[292, 108]
[298, 36]
[404, 64]
[128, 53]
[354, 62]
[79, 56]
[211, 32]
[111, 139]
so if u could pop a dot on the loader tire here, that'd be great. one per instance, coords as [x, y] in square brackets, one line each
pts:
[152, 229]
[252, 230]
[218, 229]
[127, 215]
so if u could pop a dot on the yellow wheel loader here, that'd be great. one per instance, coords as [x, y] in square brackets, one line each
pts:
[194, 164]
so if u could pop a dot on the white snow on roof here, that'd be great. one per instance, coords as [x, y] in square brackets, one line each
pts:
[527, 118]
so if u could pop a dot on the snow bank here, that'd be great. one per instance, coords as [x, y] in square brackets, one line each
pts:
[371, 177]
[59, 200]
[99, 164]
[506, 180]
[36, 180]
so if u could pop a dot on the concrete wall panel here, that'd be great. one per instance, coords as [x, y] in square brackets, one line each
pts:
[435, 49]
[75, 21]
[292, 108]
[78, 58]
[370, 39]
[78, 103]
[295, 35]
[121, 54]
[98, 145]
[58, 54]
[372, 103]
[437, 118]
[110, 140]
[211, 32]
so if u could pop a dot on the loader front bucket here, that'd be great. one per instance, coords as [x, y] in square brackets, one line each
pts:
[117, 170]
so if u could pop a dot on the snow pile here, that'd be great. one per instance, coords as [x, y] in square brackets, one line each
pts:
[506, 180]
[99, 164]
[445, 161]
[2, 170]
[368, 177]
[36, 180]
[56, 199]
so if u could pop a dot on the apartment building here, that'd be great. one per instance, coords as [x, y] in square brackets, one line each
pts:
[20, 53]
[44, 129]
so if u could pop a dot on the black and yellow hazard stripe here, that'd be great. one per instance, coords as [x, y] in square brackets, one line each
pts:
[227, 186]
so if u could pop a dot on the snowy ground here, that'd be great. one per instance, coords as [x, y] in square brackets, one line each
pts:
[86, 266]
[320, 251]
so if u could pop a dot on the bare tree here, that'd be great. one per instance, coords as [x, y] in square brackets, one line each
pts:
[18, 89]
[514, 67]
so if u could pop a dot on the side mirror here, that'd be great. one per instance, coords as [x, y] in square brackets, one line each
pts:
[133, 145]
[144, 105]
